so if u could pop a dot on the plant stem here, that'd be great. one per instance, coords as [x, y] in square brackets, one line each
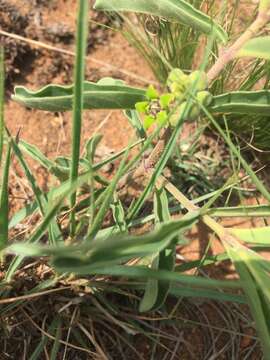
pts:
[228, 54]
[82, 27]
[149, 163]
[2, 81]
[147, 167]
[223, 234]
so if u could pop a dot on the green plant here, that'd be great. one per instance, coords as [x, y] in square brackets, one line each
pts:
[167, 44]
[90, 249]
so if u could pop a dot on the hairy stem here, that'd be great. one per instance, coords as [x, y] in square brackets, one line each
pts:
[229, 54]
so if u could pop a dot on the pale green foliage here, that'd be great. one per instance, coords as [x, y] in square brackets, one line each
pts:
[264, 5]
[179, 11]
[104, 251]
[257, 47]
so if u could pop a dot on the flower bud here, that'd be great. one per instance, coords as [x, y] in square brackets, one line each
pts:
[193, 113]
[177, 80]
[204, 98]
[200, 78]
[176, 75]
[178, 113]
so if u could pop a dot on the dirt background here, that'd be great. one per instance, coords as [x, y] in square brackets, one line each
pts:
[53, 22]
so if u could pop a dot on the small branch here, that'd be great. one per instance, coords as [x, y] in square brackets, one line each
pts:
[229, 54]
[225, 236]
[155, 155]
[149, 164]
[146, 167]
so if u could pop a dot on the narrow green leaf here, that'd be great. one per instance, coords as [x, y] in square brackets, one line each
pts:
[156, 291]
[119, 215]
[256, 236]
[46, 222]
[19, 216]
[38, 233]
[120, 248]
[95, 96]
[257, 47]
[242, 102]
[2, 86]
[178, 291]
[77, 104]
[185, 290]
[35, 153]
[251, 290]
[53, 194]
[241, 211]
[208, 260]
[41, 200]
[61, 172]
[234, 149]
[136, 123]
[44, 339]
[36, 190]
[108, 194]
[57, 335]
[63, 266]
[91, 147]
[4, 208]
[174, 10]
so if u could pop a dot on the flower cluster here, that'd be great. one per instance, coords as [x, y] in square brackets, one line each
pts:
[168, 108]
[156, 108]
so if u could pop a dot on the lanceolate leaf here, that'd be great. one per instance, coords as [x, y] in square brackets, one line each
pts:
[4, 200]
[185, 291]
[243, 102]
[65, 266]
[105, 94]
[135, 122]
[246, 267]
[241, 211]
[111, 250]
[96, 96]
[119, 215]
[2, 81]
[257, 47]
[259, 236]
[156, 291]
[174, 10]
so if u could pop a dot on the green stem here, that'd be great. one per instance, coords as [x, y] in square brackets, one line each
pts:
[4, 203]
[2, 81]
[82, 31]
